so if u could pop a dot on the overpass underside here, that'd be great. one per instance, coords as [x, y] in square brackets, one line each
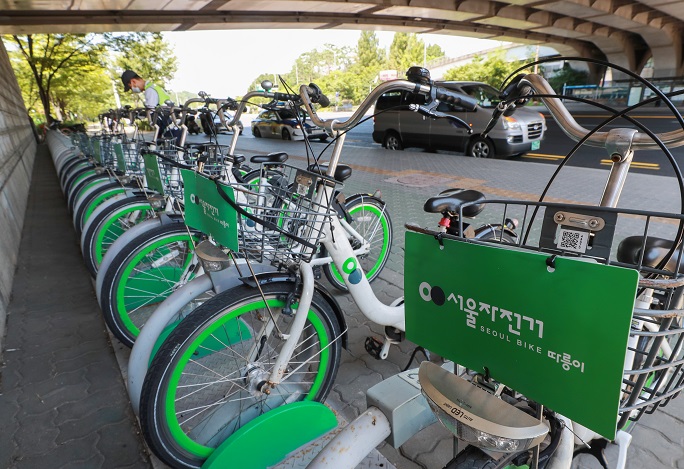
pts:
[625, 32]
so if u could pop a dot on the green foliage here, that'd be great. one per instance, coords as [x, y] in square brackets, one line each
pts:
[350, 74]
[492, 69]
[408, 50]
[568, 76]
[71, 75]
[368, 51]
[54, 62]
[147, 54]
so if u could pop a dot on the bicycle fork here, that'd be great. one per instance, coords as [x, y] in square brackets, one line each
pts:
[296, 329]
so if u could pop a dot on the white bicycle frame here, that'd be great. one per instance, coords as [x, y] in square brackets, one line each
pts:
[169, 309]
[620, 143]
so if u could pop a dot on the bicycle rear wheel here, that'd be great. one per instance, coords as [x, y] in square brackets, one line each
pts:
[143, 275]
[370, 218]
[203, 384]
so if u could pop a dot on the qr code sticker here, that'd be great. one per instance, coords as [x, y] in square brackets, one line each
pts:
[571, 240]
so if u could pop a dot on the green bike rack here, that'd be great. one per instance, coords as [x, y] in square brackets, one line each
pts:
[286, 428]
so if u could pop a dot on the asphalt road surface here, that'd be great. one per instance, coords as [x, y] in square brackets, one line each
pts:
[557, 145]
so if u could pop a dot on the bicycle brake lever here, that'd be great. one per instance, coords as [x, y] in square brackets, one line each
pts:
[453, 120]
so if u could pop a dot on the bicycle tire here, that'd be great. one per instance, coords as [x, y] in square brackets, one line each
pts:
[65, 166]
[74, 177]
[498, 234]
[105, 227]
[84, 185]
[371, 219]
[142, 275]
[79, 165]
[230, 323]
[87, 204]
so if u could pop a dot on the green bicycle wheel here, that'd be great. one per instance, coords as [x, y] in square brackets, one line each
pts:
[143, 275]
[371, 220]
[204, 383]
[106, 227]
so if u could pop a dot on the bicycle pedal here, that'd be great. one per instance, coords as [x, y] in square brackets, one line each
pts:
[374, 347]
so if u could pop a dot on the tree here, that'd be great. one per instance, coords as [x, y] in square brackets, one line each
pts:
[568, 76]
[408, 50]
[493, 69]
[49, 56]
[72, 75]
[368, 51]
[147, 54]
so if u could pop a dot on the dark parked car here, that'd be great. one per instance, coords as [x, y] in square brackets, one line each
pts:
[398, 127]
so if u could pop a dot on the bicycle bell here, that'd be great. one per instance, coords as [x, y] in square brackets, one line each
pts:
[418, 75]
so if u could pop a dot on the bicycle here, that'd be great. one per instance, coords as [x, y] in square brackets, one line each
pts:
[598, 372]
[122, 281]
[281, 336]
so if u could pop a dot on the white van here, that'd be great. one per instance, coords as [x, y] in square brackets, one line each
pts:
[397, 127]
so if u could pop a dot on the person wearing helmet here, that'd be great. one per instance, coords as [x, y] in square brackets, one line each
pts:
[155, 96]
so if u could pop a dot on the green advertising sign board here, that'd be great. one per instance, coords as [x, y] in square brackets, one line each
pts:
[205, 209]
[558, 335]
[120, 163]
[153, 175]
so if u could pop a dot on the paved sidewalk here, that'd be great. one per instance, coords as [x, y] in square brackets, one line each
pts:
[63, 403]
[62, 400]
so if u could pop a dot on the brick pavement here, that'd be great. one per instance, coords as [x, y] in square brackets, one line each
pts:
[66, 402]
[62, 400]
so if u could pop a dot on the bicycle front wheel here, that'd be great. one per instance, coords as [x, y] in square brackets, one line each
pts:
[371, 220]
[204, 383]
[107, 225]
[143, 275]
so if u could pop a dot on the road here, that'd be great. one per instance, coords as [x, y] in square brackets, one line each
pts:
[557, 145]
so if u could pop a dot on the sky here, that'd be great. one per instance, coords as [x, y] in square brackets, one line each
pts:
[224, 63]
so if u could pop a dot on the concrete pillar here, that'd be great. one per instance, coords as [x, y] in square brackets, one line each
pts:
[17, 153]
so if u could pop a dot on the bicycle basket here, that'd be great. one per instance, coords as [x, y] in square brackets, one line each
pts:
[128, 158]
[283, 215]
[635, 239]
[162, 175]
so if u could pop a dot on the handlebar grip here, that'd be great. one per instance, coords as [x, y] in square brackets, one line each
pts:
[453, 97]
[317, 95]
[285, 97]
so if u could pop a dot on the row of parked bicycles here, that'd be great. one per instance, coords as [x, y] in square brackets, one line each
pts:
[564, 329]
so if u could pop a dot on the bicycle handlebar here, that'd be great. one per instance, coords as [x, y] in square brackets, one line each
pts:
[574, 130]
[436, 92]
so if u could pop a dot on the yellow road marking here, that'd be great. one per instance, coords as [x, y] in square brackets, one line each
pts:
[543, 156]
[637, 164]
[546, 156]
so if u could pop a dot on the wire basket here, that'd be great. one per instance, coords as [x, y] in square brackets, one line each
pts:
[169, 173]
[211, 155]
[134, 165]
[635, 239]
[83, 142]
[282, 216]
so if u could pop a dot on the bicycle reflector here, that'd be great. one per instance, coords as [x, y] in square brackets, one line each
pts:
[211, 257]
[477, 417]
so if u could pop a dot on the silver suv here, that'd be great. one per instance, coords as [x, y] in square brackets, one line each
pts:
[397, 127]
